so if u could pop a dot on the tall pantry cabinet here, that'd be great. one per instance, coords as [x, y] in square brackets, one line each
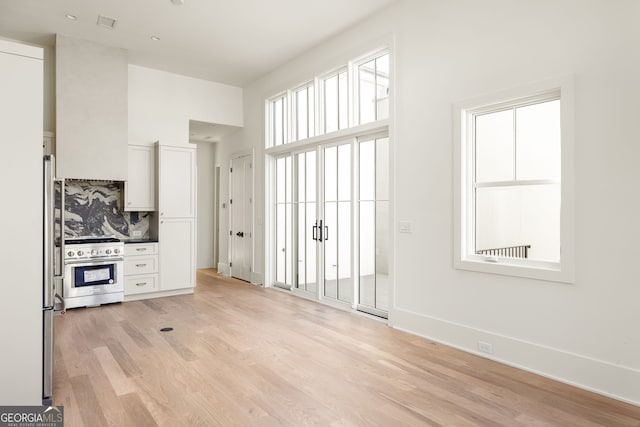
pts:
[177, 216]
[21, 174]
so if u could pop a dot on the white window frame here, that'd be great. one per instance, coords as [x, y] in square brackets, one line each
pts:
[311, 125]
[354, 81]
[269, 127]
[464, 216]
[320, 96]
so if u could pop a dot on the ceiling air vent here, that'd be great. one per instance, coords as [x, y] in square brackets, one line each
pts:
[105, 21]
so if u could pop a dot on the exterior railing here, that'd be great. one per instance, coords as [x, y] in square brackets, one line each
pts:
[521, 251]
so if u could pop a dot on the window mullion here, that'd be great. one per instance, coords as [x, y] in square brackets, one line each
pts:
[515, 147]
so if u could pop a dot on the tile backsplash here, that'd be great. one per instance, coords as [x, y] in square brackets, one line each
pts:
[94, 208]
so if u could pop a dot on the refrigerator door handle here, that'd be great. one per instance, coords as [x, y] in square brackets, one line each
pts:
[48, 232]
[59, 261]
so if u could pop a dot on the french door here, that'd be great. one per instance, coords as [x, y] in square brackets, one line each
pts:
[331, 223]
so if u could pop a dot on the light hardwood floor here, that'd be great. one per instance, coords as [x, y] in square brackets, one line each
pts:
[243, 355]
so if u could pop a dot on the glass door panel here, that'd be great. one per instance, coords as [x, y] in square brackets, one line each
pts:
[283, 229]
[306, 216]
[336, 226]
[374, 229]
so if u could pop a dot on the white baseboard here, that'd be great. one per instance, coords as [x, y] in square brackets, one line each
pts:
[160, 294]
[223, 268]
[611, 380]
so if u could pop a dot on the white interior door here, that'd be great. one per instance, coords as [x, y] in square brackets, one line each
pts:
[241, 232]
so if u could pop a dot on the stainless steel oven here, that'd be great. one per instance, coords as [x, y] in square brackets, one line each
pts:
[94, 272]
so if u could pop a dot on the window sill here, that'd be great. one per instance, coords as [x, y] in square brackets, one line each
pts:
[552, 272]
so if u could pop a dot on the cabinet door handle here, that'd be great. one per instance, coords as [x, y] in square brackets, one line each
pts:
[141, 249]
[141, 265]
[141, 284]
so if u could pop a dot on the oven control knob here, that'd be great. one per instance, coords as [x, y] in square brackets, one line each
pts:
[70, 253]
[80, 253]
[108, 251]
[116, 250]
[94, 252]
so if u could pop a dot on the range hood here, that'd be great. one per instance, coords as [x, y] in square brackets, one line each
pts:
[91, 110]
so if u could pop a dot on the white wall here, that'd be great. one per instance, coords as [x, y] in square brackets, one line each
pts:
[206, 161]
[49, 121]
[584, 333]
[161, 105]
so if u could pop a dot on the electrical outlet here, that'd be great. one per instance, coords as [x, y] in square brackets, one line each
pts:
[137, 233]
[485, 347]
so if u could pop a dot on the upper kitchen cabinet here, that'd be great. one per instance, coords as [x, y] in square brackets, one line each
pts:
[176, 181]
[91, 110]
[140, 188]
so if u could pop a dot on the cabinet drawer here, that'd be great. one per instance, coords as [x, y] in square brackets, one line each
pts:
[140, 284]
[140, 265]
[134, 249]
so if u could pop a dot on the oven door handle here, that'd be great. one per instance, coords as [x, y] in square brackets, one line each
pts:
[85, 263]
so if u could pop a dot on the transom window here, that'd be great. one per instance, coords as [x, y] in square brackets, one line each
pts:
[513, 204]
[335, 101]
[349, 96]
[276, 120]
[304, 112]
[373, 89]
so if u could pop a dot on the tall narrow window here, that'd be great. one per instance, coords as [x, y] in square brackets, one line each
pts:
[304, 112]
[511, 180]
[373, 89]
[335, 102]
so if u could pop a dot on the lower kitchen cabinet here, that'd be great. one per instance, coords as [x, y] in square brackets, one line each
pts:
[140, 284]
[177, 253]
[140, 268]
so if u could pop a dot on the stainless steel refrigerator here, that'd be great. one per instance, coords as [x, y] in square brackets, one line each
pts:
[53, 271]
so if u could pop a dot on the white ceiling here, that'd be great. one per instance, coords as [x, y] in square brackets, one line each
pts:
[229, 41]
[209, 132]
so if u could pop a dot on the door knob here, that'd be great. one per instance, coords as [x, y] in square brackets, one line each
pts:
[240, 234]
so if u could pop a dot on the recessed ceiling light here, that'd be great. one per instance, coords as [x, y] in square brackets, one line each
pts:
[155, 38]
[177, 2]
[105, 21]
[71, 17]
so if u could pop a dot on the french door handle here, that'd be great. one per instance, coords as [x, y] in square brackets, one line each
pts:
[326, 233]
[314, 231]
[240, 234]
[320, 232]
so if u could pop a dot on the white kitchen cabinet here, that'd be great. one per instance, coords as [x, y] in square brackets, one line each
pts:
[140, 268]
[177, 181]
[21, 166]
[140, 188]
[177, 253]
[177, 217]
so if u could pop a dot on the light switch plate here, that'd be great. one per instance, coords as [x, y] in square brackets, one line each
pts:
[406, 227]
